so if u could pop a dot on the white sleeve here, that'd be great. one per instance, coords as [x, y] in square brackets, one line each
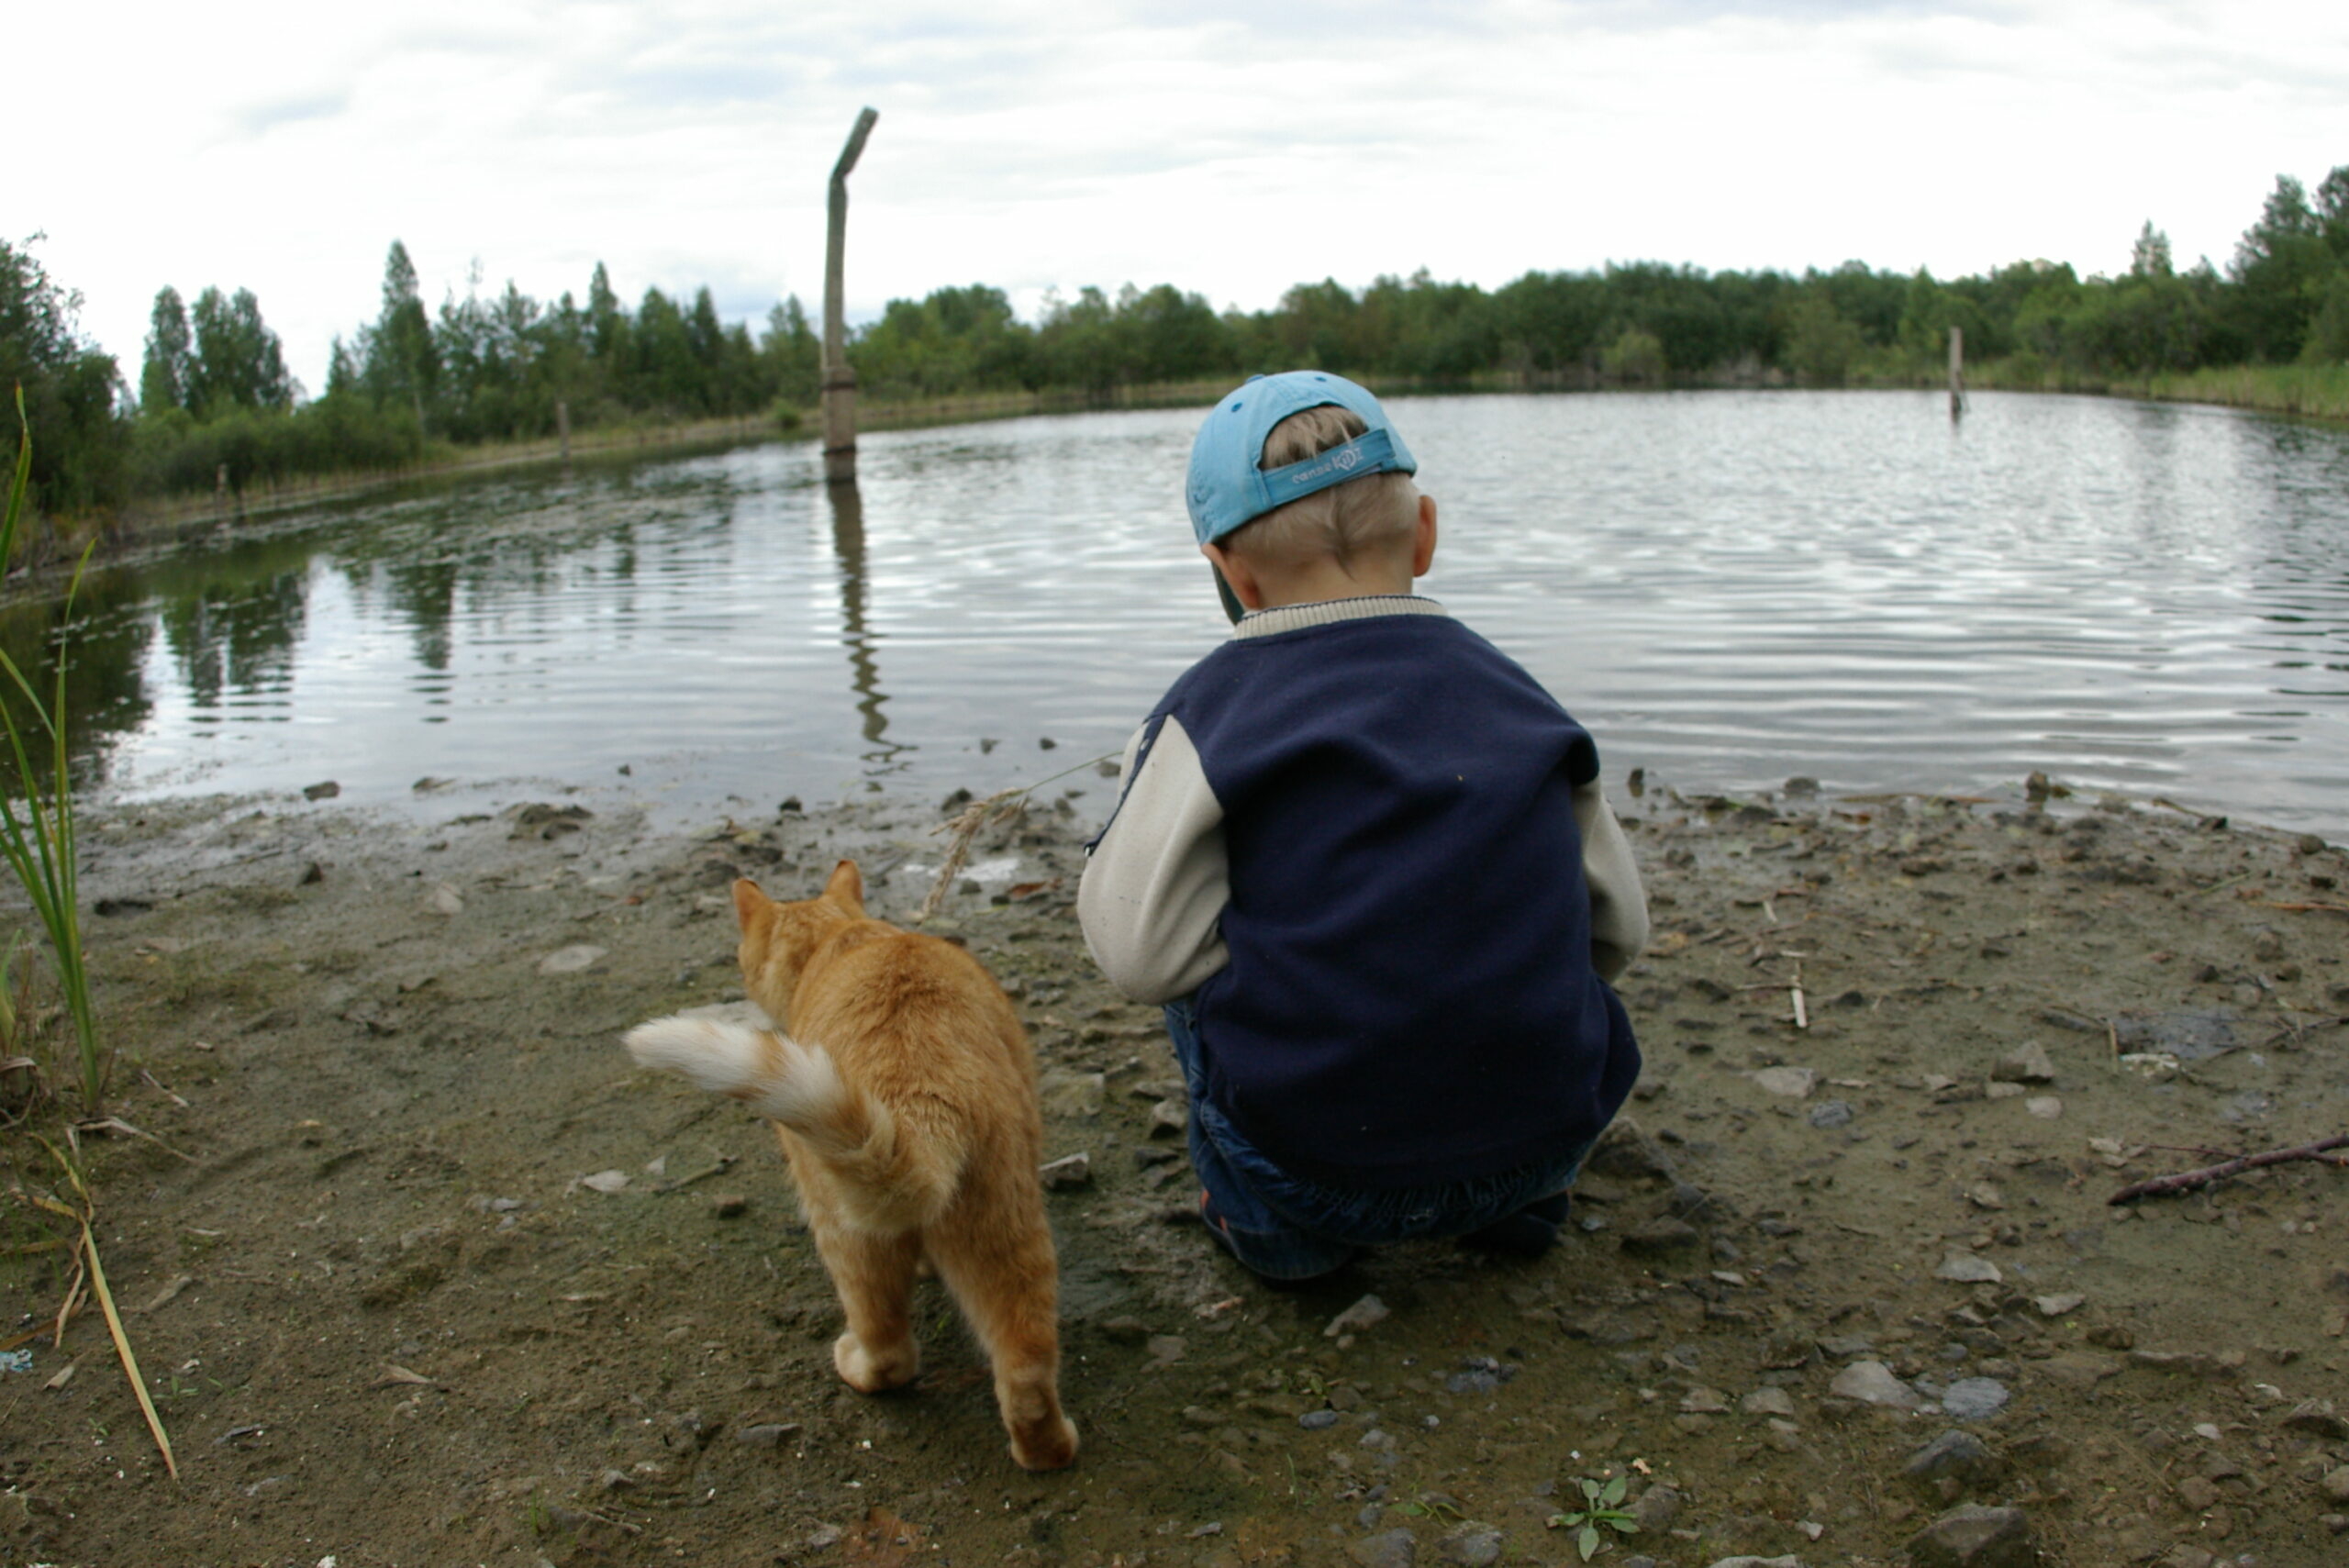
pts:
[1157, 884]
[1619, 906]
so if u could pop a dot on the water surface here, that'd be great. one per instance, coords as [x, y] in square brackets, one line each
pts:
[1727, 588]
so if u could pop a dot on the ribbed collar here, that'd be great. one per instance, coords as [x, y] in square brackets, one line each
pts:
[1329, 612]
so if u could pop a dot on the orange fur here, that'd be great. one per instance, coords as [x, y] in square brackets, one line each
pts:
[904, 1093]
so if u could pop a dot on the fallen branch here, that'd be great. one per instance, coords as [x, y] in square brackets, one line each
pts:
[2186, 1181]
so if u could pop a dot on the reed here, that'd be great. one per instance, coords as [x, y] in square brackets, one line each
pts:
[36, 833]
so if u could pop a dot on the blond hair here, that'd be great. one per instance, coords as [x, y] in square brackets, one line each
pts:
[1366, 515]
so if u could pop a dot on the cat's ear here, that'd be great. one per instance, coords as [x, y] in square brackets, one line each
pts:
[847, 887]
[748, 901]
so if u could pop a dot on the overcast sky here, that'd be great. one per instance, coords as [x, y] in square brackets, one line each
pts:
[1232, 149]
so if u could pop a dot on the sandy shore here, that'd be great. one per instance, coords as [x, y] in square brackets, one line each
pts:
[423, 1271]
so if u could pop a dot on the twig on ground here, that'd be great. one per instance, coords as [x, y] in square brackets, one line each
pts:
[2186, 1181]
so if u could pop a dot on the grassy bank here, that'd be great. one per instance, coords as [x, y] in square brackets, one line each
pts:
[2306, 392]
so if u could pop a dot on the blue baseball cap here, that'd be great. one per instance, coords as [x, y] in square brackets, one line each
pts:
[1227, 488]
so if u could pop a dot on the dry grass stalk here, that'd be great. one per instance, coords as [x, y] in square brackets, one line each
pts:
[1003, 806]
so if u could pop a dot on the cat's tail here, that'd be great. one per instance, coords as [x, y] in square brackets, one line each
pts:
[889, 1181]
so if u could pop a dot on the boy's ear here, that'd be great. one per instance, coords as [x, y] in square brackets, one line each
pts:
[1423, 538]
[847, 886]
[749, 899]
[1237, 575]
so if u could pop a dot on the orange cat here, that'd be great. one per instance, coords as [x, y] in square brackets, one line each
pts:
[904, 1091]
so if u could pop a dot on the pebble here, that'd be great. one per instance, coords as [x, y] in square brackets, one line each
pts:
[1662, 1234]
[575, 960]
[1473, 1545]
[1767, 1401]
[1367, 1313]
[731, 1206]
[1657, 1508]
[1169, 1117]
[1974, 1536]
[1318, 1421]
[2046, 1107]
[2030, 1064]
[1832, 1114]
[1954, 1455]
[1974, 1398]
[1387, 1549]
[766, 1434]
[2335, 1485]
[1872, 1382]
[1794, 1082]
[1967, 1269]
[2058, 1305]
[1069, 1171]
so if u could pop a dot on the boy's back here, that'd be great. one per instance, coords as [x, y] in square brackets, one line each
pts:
[1401, 1000]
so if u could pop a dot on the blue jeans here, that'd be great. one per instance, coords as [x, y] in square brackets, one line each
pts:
[1286, 1228]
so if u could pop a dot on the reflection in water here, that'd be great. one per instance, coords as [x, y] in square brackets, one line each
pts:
[1728, 588]
[105, 698]
[864, 671]
[237, 639]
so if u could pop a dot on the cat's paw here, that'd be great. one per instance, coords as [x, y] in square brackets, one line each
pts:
[869, 1373]
[1046, 1445]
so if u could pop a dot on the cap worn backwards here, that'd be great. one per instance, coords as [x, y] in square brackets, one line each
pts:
[1228, 488]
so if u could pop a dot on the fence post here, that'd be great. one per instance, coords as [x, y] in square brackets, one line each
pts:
[840, 380]
[1956, 372]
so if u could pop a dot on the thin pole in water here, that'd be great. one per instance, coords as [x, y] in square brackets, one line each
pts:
[1956, 372]
[840, 380]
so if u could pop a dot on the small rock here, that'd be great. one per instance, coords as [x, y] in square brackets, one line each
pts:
[1165, 1350]
[766, 1434]
[1388, 1548]
[2335, 1485]
[1974, 1536]
[325, 791]
[2058, 1305]
[2046, 1107]
[605, 1182]
[1318, 1421]
[1701, 1401]
[444, 900]
[823, 1538]
[1069, 1171]
[1974, 1398]
[731, 1206]
[1872, 1382]
[1767, 1401]
[2028, 1064]
[1168, 1118]
[573, 960]
[1999, 1089]
[1662, 1234]
[1624, 1151]
[313, 875]
[1967, 1269]
[1657, 1508]
[1471, 1545]
[1953, 1456]
[1794, 1082]
[2318, 1415]
[1832, 1114]
[1367, 1313]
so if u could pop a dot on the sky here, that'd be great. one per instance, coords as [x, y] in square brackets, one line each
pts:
[1232, 149]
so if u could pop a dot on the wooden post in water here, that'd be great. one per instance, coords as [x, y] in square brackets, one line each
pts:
[840, 380]
[562, 426]
[1956, 372]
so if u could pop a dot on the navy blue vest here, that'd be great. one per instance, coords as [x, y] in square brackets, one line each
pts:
[1410, 997]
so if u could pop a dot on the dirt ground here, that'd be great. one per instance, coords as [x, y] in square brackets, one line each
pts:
[423, 1271]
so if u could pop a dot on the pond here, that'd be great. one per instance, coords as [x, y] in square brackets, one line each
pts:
[1727, 588]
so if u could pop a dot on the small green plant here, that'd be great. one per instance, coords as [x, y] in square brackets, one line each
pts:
[1602, 1509]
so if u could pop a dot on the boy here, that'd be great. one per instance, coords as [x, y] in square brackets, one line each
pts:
[1363, 860]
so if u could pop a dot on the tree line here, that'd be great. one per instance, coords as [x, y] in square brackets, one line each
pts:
[213, 388]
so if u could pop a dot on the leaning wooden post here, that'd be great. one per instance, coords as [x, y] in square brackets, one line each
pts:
[1957, 371]
[840, 379]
